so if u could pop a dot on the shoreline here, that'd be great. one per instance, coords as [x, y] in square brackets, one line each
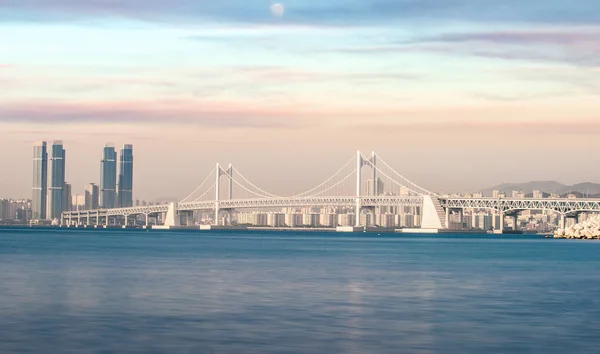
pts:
[256, 229]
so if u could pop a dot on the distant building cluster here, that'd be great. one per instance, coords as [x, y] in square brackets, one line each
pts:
[15, 211]
[51, 194]
[407, 217]
[325, 217]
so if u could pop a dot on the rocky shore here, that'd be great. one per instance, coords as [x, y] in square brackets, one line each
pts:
[589, 229]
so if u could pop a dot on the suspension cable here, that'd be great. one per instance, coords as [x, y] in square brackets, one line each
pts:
[266, 194]
[200, 186]
[330, 178]
[335, 185]
[422, 190]
[205, 193]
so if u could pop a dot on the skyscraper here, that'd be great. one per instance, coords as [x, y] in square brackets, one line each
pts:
[67, 198]
[91, 196]
[56, 174]
[370, 189]
[126, 177]
[108, 178]
[40, 181]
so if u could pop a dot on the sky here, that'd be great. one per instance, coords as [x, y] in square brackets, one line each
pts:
[456, 95]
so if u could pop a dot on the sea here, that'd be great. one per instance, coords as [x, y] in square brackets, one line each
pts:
[81, 291]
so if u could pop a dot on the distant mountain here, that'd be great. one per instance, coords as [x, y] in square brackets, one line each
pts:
[548, 187]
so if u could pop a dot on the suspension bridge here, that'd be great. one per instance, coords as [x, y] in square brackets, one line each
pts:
[361, 185]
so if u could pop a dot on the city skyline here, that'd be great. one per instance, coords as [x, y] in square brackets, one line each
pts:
[486, 92]
[52, 193]
[113, 165]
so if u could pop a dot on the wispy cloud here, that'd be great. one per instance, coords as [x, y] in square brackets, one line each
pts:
[275, 74]
[217, 115]
[327, 11]
[571, 37]
[487, 127]
[577, 80]
[572, 45]
[516, 97]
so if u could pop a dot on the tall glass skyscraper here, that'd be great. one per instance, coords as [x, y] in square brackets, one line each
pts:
[108, 178]
[56, 187]
[126, 177]
[40, 181]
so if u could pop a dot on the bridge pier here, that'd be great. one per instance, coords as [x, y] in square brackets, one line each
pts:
[515, 219]
[172, 218]
[370, 220]
[224, 221]
[574, 216]
[359, 164]
[498, 221]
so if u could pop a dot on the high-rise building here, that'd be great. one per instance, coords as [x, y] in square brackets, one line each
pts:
[372, 190]
[78, 202]
[91, 196]
[67, 201]
[56, 180]
[4, 208]
[126, 177]
[40, 181]
[108, 178]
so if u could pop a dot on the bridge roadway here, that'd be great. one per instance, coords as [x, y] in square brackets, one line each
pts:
[510, 205]
[257, 203]
[504, 206]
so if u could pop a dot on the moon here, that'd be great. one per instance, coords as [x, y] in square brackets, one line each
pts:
[277, 10]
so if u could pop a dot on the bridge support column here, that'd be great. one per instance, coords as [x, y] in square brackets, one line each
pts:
[501, 221]
[218, 173]
[230, 186]
[172, 218]
[359, 162]
[226, 220]
[563, 223]
[432, 213]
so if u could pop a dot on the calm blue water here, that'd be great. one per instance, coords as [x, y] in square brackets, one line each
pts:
[161, 292]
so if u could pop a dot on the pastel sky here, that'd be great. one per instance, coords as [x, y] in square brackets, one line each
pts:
[455, 94]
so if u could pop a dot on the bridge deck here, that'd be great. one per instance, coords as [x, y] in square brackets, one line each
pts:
[562, 205]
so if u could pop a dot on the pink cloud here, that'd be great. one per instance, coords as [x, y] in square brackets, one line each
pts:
[210, 115]
[488, 128]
